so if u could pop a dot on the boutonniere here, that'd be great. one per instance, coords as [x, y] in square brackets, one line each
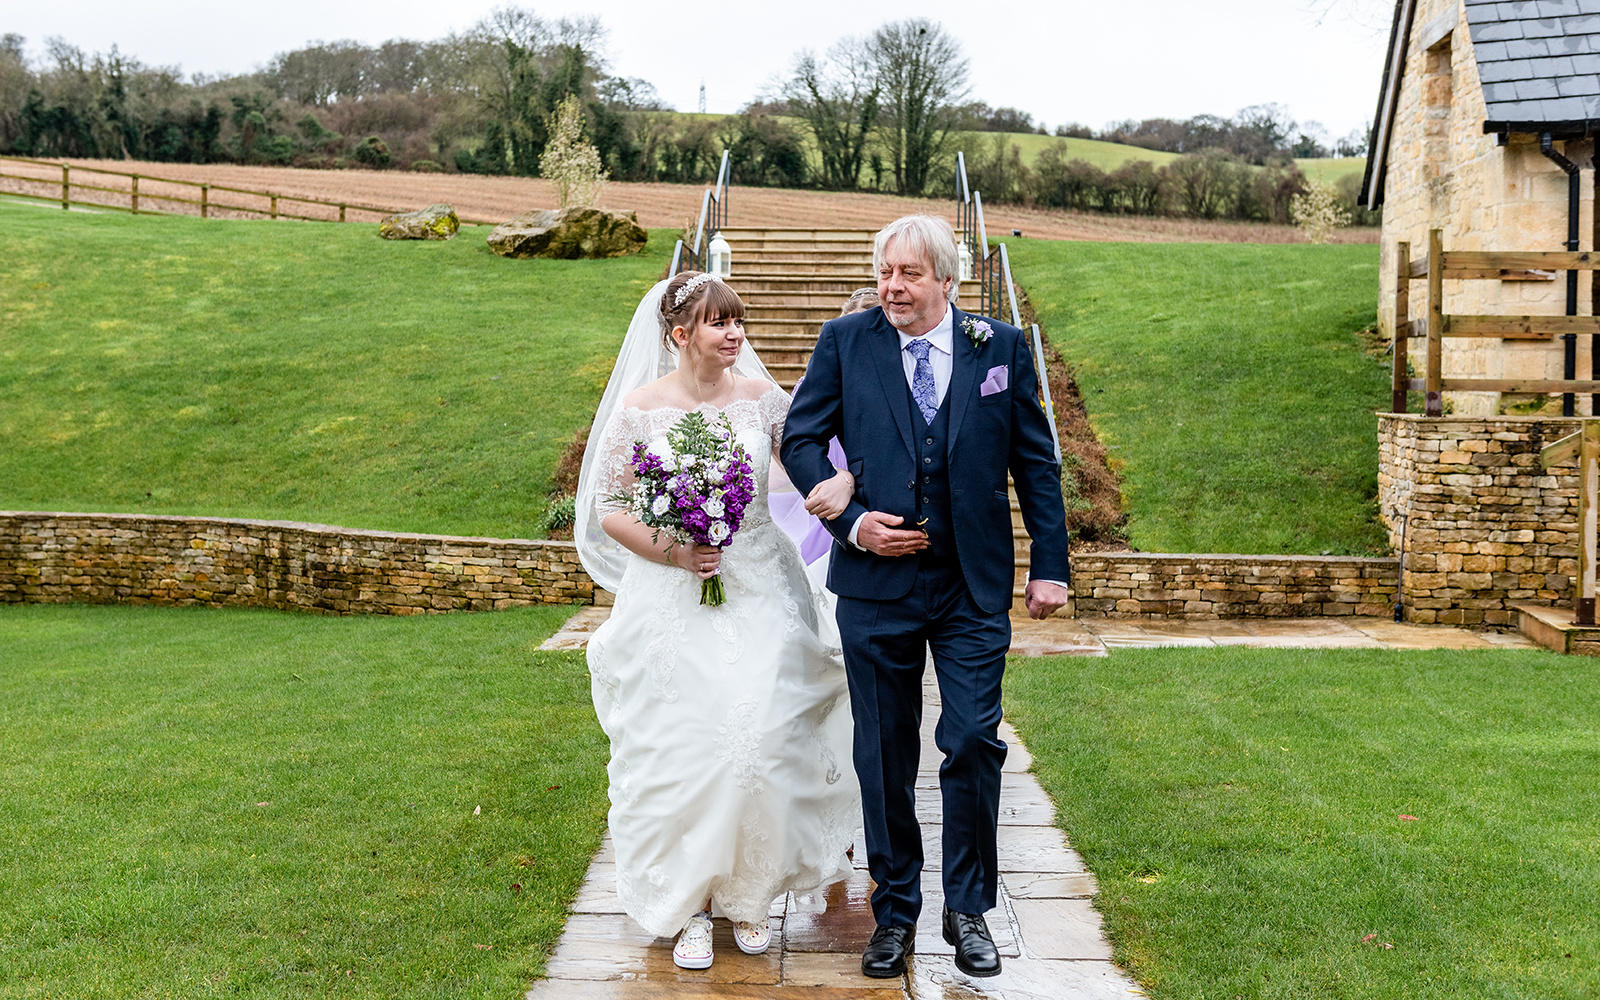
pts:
[978, 331]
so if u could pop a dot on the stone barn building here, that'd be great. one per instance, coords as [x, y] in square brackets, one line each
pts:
[1485, 129]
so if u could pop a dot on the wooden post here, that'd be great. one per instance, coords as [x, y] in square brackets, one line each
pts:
[1402, 319]
[66, 186]
[1583, 447]
[1588, 513]
[274, 206]
[1434, 406]
[205, 199]
[341, 211]
[133, 194]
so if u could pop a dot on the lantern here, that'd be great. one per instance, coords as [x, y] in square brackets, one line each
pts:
[721, 257]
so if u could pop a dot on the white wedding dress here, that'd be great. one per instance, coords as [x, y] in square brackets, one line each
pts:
[730, 726]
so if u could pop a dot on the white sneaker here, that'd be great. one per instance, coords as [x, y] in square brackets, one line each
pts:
[693, 950]
[752, 939]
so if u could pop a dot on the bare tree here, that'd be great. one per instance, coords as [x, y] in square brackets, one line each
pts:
[923, 76]
[837, 97]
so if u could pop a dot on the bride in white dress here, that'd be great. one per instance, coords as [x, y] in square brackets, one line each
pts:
[730, 773]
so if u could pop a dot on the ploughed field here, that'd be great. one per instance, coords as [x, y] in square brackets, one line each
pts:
[494, 199]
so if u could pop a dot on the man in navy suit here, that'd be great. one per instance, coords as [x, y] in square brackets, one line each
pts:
[932, 407]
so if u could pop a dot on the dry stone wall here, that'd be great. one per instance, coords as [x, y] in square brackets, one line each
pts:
[1150, 585]
[146, 559]
[135, 558]
[1480, 526]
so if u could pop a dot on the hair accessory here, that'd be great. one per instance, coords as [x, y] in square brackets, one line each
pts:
[689, 287]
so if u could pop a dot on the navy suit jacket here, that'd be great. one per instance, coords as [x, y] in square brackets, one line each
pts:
[855, 390]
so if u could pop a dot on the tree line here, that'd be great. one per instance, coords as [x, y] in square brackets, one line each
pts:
[879, 111]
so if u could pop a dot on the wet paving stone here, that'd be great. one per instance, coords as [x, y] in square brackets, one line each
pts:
[1061, 928]
[1049, 885]
[935, 977]
[607, 946]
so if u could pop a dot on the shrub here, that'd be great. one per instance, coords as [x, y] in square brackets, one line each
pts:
[427, 166]
[1318, 212]
[560, 513]
[568, 161]
[372, 152]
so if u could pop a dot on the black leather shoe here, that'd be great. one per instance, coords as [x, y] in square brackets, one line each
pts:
[886, 953]
[976, 954]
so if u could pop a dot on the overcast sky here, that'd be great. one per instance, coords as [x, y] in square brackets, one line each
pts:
[1058, 60]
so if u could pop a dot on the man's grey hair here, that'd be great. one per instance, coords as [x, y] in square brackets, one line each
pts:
[928, 236]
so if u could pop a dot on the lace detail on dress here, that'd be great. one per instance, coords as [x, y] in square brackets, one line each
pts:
[616, 445]
[739, 746]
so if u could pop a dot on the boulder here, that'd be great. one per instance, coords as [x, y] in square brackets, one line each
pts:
[436, 222]
[568, 234]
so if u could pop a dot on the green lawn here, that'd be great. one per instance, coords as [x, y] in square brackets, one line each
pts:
[1108, 156]
[1331, 824]
[1333, 170]
[308, 371]
[206, 803]
[1229, 384]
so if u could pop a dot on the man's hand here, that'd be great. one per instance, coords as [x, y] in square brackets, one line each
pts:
[878, 535]
[1042, 597]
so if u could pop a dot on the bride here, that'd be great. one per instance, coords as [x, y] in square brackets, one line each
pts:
[730, 728]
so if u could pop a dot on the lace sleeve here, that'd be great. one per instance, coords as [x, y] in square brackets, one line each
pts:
[774, 411]
[615, 456]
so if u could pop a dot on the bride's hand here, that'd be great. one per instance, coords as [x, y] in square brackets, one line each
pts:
[829, 498]
[702, 560]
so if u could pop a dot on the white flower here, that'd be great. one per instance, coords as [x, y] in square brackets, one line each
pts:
[660, 506]
[718, 532]
[714, 507]
[660, 449]
[688, 461]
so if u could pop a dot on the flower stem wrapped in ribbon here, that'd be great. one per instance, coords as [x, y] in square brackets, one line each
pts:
[694, 488]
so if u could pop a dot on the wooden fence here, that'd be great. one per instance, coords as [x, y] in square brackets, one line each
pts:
[1436, 324]
[125, 194]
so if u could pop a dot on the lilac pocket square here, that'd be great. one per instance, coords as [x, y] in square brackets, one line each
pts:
[996, 381]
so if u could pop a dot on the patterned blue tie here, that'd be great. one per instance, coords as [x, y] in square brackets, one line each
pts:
[922, 387]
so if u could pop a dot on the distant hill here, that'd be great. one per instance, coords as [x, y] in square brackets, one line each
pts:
[1111, 155]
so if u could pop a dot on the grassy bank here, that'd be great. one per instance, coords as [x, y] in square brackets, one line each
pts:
[308, 371]
[1228, 382]
[203, 803]
[1330, 824]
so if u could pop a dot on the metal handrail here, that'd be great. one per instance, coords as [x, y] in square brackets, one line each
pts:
[713, 211]
[1008, 287]
[992, 269]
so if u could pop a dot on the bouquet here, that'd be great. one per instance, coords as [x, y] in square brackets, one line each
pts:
[694, 488]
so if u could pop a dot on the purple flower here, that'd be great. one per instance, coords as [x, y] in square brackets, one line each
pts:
[978, 331]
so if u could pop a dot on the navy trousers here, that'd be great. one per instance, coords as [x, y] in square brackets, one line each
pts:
[885, 648]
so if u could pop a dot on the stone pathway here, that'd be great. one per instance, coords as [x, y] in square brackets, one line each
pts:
[1093, 636]
[1045, 925]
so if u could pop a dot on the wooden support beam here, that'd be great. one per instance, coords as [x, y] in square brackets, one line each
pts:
[1457, 261]
[1519, 327]
[1588, 513]
[1402, 325]
[1534, 385]
[1433, 400]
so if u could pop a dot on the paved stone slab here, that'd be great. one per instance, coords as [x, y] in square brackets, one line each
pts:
[574, 634]
[1061, 928]
[569, 989]
[935, 977]
[1049, 885]
[612, 946]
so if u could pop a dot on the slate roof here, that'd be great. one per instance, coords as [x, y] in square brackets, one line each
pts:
[1539, 63]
